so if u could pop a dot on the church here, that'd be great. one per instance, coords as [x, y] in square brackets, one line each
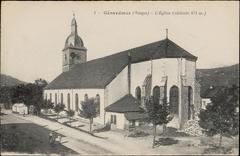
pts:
[120, 83]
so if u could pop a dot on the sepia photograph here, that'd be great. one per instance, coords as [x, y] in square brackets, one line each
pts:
[119, 78]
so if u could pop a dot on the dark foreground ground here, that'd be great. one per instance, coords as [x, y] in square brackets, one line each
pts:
[20, 136]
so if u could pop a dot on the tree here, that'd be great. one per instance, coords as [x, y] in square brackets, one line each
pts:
[70, 114]
[41, 82]
[157, 114]
[58, 108]
[29, 94]
[221, 115]
[89, 111]
[6, 93]
[46, 104]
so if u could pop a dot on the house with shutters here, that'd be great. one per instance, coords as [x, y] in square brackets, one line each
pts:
[121, 82]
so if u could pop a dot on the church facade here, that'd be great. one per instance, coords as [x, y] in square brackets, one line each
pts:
[121, 83]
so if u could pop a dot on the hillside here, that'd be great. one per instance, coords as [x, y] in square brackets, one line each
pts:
[223, 76]
[6, 80]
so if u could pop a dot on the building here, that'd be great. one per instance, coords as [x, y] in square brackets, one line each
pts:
[20, 108]
[121, 82]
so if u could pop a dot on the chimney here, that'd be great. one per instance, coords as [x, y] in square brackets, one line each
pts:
[166, 33]
[129, 73]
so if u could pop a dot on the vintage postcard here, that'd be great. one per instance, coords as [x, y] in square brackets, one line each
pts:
[119, 78]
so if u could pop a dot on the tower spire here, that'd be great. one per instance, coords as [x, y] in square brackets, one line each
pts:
[74, 48]
[74, 25]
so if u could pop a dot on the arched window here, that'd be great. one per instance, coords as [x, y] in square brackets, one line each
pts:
[97, 101]
[156, 94]
[138, 94]
[174, 100]
[85, 97]
[61, 98]
[68, 101]
[51, 97]
[76, 102]
[55, 98]
[190, 103]
[46, 96]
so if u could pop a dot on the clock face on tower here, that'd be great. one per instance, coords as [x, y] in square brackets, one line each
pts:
[73, 55]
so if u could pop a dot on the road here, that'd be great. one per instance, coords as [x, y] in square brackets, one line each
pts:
[39, 137]
[73, 141]
[83, 143]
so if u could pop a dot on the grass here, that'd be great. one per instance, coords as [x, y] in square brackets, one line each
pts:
[29, 138]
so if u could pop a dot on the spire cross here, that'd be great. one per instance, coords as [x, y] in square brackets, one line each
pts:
[73, 14]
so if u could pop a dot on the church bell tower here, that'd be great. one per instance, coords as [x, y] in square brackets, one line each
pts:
[74, 51]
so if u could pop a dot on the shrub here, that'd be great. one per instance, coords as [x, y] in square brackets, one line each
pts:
[107, 127]
[58, 108]
[166, 141]
[138, 133]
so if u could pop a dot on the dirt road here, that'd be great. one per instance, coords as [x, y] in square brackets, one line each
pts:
[33, 138]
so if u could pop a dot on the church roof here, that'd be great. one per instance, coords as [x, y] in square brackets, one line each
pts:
[126, 104]
[100, 72]
[135, 115]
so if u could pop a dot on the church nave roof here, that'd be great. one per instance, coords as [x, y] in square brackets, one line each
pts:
[100, 72]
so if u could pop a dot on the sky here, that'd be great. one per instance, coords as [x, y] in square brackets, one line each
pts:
[33, 33]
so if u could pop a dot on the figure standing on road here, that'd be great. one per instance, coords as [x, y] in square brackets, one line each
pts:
[50, 138]
[59, 138]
